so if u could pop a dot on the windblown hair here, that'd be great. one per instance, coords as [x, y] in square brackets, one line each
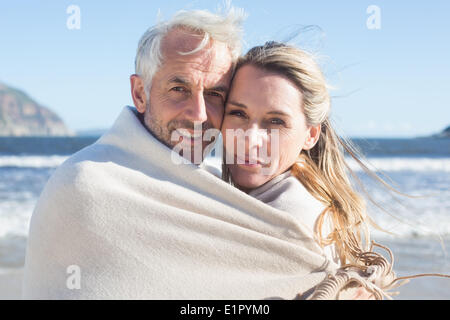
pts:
[223, 27]
[323, 169]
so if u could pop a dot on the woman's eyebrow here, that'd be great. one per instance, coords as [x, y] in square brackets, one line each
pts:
[243, 106]
[280, 113]
[237, 104]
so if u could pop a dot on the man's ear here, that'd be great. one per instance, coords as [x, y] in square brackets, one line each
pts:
[138, 93]
[312, 137]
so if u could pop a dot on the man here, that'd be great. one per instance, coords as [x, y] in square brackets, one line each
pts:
[125, 219]
[188, 86]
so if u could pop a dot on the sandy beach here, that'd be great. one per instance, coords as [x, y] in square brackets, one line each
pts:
[11, 284]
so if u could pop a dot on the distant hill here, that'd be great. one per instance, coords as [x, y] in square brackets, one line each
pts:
[20, 115]
[444, 134]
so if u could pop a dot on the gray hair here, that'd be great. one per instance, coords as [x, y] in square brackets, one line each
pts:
[226, 27]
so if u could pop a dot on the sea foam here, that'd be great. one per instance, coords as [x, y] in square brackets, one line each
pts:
[31, 161]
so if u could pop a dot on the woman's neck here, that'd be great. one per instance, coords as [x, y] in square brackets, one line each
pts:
[248, 190]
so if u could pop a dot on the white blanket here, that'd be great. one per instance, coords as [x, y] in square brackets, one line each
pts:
[120, 220]
[285, 192]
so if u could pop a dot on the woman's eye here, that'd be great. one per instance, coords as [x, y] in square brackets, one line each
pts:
[277, 121]
[236, 113]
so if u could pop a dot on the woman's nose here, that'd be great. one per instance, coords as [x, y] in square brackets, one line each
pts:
[256, 137]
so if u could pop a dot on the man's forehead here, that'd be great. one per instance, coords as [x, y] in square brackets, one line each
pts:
[215, 54]
[181, 40]
[213, 63]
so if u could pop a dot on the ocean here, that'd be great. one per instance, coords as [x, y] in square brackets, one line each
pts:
[418, 226]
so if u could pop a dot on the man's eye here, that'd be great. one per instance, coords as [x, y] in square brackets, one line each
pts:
[178, 89]
[215, 94]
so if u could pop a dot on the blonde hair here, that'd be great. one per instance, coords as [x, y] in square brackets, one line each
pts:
[323, 169]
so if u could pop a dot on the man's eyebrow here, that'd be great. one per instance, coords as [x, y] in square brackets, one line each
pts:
[179, 80]
[219, 89]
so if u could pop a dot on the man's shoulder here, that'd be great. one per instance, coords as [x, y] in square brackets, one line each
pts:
[82, 166]
[213, 166]
[75, 185]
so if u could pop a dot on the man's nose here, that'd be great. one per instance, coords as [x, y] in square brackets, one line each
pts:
[196, 110]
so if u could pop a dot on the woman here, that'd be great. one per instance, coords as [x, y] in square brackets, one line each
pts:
[280, 147]
[280, 90]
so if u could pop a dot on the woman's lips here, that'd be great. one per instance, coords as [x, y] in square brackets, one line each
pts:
[250, 163]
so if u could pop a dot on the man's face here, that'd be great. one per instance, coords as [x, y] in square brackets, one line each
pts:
[188, 89]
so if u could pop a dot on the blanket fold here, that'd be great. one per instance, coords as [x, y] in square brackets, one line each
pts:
[136, 225]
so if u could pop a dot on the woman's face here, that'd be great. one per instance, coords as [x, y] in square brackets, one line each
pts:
[263, 104]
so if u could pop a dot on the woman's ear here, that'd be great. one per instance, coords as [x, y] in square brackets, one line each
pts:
[313, 135]
[138, 93]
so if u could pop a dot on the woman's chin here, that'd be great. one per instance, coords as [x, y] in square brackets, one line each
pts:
[248, 180]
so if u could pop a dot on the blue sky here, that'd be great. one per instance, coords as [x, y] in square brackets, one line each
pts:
[389, 82]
